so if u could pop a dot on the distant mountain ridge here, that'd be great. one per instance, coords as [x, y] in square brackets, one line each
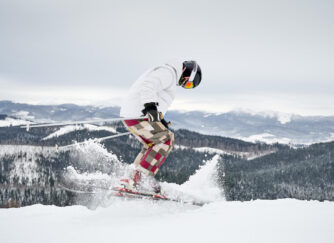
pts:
[267, 127]
[49, 113]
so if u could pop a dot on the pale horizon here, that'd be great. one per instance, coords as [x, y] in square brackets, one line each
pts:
[181, 105]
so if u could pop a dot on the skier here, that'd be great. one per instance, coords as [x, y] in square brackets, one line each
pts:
[150, 96]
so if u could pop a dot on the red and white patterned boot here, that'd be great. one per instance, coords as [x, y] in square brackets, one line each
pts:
[132, 183]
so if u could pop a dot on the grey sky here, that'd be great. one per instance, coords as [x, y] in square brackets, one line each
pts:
[263, 55]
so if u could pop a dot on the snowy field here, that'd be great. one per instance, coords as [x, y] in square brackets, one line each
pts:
[145, 221]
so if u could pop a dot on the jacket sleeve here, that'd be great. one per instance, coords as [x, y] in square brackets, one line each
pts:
[158, 80]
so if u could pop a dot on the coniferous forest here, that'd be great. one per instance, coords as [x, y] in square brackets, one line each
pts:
[304, 173]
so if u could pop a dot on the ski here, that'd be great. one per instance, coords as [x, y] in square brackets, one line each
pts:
[126, 193]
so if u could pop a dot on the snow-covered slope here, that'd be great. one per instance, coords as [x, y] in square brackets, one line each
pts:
[144, 221]
[287, 221]
[10, 121]
[246, 155]
[71, 128]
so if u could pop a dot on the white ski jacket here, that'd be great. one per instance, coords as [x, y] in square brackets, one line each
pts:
[155, 85]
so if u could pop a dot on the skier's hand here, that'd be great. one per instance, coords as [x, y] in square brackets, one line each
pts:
[153, 116]
[151, 111]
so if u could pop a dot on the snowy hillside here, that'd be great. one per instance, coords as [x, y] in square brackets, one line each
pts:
[10, 121]
[72, 128]
[287, 221]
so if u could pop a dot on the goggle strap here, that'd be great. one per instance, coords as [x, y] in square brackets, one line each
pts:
[193, 73]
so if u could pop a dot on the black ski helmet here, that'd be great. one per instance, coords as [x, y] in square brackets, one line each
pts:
[191, 75]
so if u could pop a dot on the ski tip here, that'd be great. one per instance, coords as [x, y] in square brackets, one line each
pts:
[159, 196]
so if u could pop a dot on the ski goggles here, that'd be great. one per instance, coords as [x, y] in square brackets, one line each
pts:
[188, 85]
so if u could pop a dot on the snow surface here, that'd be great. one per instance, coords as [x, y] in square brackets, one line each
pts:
[203, 149]
[12, 122]
[266, 138]
[271, 139]
[247, 155]
[145, 221]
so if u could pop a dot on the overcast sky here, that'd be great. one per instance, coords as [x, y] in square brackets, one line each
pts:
[259, 55]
